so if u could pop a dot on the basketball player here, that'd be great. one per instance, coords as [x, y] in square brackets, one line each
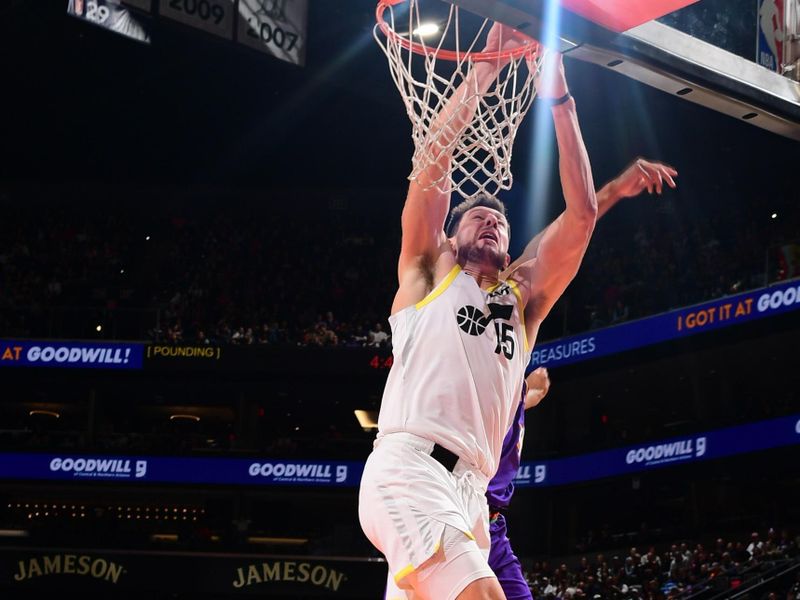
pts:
[463, 325]
[638, 176]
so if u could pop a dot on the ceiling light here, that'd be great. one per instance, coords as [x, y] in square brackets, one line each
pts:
[368, 419]
[277, 541]
[46, 413]
[426, 29]
[184, 417]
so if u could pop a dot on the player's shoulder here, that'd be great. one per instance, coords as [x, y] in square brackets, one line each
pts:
[519, 278]
[420, 285]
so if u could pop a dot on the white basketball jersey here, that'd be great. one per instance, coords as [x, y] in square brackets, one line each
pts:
[459, 361]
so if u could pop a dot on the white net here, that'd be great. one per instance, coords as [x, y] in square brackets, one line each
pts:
[427, 74]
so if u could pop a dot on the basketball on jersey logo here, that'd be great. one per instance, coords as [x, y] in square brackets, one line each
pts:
[471, 320]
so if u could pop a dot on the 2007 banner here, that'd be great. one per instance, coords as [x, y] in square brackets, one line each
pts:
[276, 27]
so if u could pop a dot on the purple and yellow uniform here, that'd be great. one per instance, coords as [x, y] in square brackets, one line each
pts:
[502, 559]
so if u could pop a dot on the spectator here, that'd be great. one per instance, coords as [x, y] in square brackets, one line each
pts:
[210, 270]
[377, 336]
[755, 544]
[794, 591]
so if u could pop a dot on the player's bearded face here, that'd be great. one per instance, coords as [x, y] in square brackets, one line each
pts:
[482, 238]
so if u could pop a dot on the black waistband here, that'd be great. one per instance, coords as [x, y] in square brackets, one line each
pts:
[446, 458]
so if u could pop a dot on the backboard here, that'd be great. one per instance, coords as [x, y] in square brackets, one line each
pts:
[738, 57]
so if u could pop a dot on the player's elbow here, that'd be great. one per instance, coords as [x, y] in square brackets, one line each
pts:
[587, 208]
[582, 219]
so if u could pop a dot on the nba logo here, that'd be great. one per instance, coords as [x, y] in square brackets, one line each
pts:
[771, 34]
[77, 7]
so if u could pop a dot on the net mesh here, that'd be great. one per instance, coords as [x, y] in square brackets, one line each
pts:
[427, 74]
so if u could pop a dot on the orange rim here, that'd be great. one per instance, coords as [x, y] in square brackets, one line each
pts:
[417, 48]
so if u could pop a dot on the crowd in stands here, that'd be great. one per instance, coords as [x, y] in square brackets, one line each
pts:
[230, 278]
[326, 277]
[678, 571]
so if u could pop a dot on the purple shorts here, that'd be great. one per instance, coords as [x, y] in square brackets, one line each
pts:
[505, 564]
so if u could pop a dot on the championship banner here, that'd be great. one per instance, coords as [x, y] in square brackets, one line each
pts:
[721, 443]
[115, 16]
[71, 355]
[149, 469]
[30, 570]
[676, 324]
[211, 16]
[276, 27]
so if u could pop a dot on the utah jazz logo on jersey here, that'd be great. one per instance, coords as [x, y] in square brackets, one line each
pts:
[472, 321]
[503, 290]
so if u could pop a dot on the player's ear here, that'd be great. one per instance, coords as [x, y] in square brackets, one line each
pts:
[507, 261]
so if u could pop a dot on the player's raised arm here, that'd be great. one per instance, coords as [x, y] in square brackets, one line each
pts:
[427, 204]
[640, 175]
[564, 242]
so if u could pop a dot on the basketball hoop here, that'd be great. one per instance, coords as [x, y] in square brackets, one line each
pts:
[427, 74]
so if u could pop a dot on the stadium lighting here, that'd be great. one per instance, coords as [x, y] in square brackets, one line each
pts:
[368, 419]
[17, 533]
[277, 540]
[184, 417]
[540, 161]
[46, 413]
[774, 215]
[99, 328]
[426, 29]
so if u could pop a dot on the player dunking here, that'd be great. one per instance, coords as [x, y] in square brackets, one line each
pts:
[463, 325]
[640, 175]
